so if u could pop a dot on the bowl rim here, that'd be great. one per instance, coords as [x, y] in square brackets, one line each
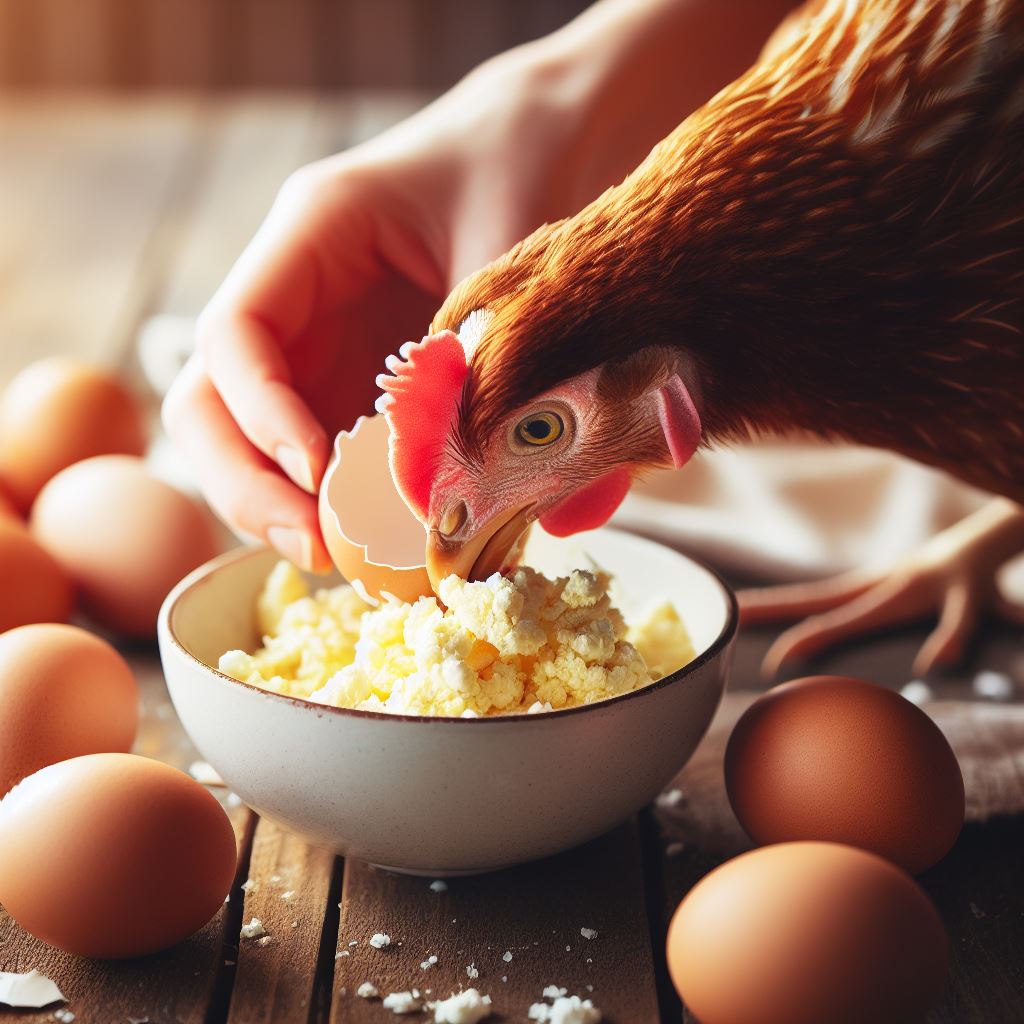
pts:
[202, 573]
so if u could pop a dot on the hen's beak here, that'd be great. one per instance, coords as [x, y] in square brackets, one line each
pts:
[487, 551]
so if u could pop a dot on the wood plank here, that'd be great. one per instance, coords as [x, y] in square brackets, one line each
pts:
[535, 912]
[180, 44]
[77, 43]
[291, 890]
[278, 44]
[253, 143]
[93, 177]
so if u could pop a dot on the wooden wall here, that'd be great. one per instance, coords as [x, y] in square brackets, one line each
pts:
[229, 44]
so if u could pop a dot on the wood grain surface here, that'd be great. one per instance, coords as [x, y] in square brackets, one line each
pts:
[535, 913]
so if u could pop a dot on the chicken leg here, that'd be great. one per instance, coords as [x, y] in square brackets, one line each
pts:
[952, 576]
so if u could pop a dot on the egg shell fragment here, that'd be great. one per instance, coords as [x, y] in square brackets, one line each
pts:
[33, 586]
[807, 933]
[113, 855]
[63, 693]
[59, 411]
[845, 761]
[372, 536]
[123, 536]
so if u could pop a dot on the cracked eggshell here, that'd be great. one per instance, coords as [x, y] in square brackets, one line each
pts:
[373, 537]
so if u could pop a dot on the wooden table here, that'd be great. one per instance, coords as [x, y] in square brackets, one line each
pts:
[115, 211]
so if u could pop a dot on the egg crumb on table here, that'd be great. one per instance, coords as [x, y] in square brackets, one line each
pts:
[516, 644]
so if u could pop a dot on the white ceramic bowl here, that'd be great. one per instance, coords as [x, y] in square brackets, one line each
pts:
[445, 796]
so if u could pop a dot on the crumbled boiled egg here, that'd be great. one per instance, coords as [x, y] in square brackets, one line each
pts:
[403, 1002]
[253, 930]
[565, 1010]
[523, 643]
[378, 940]
[467, 1007]
[367, 990]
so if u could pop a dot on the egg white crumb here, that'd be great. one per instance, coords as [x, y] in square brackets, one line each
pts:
[367, 990]
[588, 933]
[670, 798]
[917, 692]
[472, 971]
[553, 992]
[565, 1010]
[378, 941]
[507, 956]
[253, 930]
[466, 1007]
[438, 886]
[249, 885]
[522, 643]
[402, 1002]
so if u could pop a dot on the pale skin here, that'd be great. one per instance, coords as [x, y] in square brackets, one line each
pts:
[359, 250]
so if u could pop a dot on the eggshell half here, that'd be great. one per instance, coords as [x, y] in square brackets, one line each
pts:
[113, 855]
[846, 761]
[57, 412]
[63, 693]
[807, 933]
[123, 536]
[374, 539]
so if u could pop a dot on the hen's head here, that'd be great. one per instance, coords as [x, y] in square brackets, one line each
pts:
[483, 444]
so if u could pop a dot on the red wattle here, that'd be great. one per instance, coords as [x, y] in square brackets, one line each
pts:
[679, 420]
[591, 506]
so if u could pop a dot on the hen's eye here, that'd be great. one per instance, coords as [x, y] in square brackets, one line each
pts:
[540, 428]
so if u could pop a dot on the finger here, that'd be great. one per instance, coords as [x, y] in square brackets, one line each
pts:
[948, 642]
[244, 488]
[267, 300]
[245, 363]
[887, 604]
[795, 600]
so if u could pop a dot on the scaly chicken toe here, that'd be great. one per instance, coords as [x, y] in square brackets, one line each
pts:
[953, 577]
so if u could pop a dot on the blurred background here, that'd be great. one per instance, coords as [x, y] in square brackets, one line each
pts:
[259, 44]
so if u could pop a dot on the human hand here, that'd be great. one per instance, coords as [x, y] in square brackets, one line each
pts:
[359, 249]
[354, 257]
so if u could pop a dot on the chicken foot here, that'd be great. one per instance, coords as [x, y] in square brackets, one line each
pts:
[952, 576]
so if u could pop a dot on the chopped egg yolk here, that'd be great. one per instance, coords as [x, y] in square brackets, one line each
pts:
[498, 646]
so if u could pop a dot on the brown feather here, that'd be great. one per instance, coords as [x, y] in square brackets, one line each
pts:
[837, 240]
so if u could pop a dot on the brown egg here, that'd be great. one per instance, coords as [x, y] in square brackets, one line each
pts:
[113, 855]
[33, 587]
[57, 412]
[846, 761]
[123, 536]
[63, 692]
[7, 507]
[807, 933]
[374, 539]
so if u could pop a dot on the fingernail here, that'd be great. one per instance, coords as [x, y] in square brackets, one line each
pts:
[296, 466]
[295, 545]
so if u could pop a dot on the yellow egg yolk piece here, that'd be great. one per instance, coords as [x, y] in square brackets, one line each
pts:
[503, 645]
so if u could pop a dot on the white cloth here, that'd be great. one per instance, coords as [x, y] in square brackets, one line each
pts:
[783, 510]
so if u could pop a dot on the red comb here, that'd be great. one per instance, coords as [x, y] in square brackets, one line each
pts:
[420, 401]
